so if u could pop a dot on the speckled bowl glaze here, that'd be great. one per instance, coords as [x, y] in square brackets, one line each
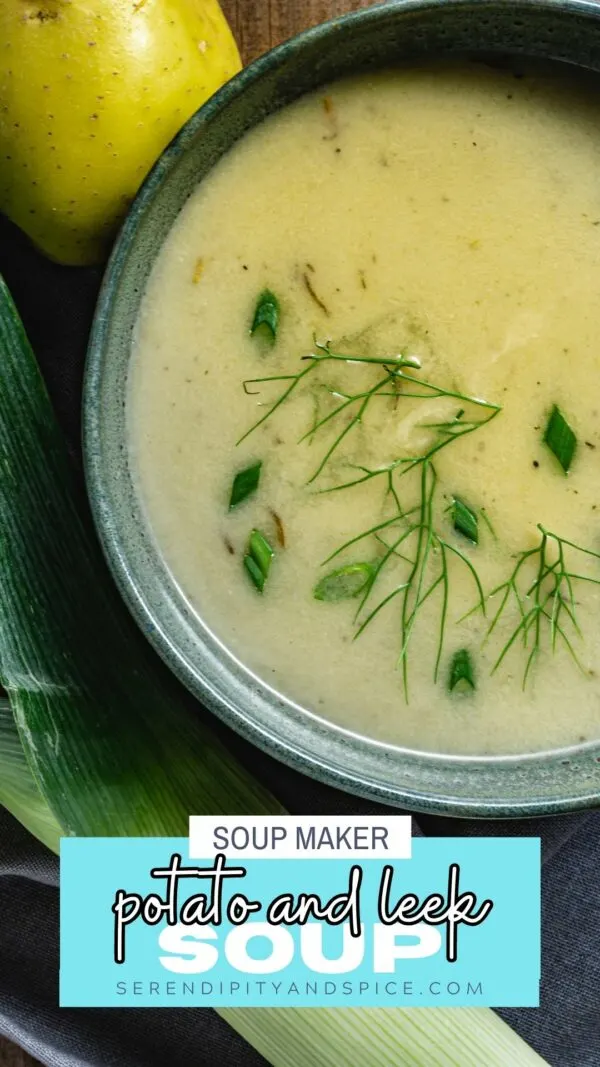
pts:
[546, 783]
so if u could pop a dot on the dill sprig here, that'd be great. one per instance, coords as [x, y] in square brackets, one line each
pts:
[426, 573]
[393, 369]
[546, 606]
[353, 405]
[543, 580]
[411, 539]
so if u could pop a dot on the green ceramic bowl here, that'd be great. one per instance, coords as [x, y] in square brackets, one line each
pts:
[555, 781]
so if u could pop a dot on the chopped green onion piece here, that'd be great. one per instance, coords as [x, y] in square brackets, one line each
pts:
[344, 583]
[260, 549]
[257, 560]
[244, 484]
[560, 438]
[266, 314]
[18, 790]
[461, 670]
[465, 520]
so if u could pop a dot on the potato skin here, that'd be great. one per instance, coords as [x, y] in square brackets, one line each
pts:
[91, 91]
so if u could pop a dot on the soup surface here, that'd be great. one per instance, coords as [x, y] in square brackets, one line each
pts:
[441, 227]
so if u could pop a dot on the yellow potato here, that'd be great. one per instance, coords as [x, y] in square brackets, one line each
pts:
[91, 91]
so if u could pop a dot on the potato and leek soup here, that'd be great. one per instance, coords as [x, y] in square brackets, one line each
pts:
[363, 407]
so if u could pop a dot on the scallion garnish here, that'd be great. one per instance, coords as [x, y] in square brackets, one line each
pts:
[266, 314]
[244, 484]
[465, 520]
[258, 558]
[345, 582]
[560, 438]
[461, 670]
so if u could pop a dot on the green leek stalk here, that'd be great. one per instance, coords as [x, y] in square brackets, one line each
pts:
[100, 743]
[110, 739]
[18, 791]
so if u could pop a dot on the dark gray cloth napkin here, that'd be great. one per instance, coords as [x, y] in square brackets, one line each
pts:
[56, 305]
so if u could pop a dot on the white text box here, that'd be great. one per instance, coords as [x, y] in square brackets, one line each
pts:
[301, 837]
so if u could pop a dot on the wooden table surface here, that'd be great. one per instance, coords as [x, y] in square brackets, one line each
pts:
[257, 25]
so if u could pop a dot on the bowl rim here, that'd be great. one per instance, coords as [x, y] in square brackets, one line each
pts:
[114, 542]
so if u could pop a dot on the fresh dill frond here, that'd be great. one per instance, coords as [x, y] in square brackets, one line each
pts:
[408, 554]
[546, 606]
[408, 538]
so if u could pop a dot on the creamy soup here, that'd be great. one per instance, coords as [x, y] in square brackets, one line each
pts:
[376, 324]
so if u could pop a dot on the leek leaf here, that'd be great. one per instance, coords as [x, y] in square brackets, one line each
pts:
[18, 792]
[114, 743]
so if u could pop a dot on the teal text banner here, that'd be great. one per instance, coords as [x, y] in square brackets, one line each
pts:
[457, 923]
